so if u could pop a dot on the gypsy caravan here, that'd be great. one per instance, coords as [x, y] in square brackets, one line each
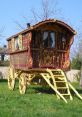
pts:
[42, 49]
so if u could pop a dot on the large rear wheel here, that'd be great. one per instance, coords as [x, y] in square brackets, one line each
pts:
[11, 79]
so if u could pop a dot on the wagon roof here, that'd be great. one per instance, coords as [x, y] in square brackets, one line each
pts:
[44, 22]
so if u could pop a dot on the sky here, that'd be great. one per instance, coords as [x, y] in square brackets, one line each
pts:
[20, 10]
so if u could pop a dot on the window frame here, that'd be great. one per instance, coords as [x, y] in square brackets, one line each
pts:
[49, 45]
[62, 41]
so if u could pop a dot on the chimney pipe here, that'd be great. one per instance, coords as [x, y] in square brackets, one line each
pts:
[28, 25]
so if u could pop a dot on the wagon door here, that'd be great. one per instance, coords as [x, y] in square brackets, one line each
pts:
[43, 49]
[36, 49]
[48, 50]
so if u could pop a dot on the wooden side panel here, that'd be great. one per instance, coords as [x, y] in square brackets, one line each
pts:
[26, 40]
[20, 58]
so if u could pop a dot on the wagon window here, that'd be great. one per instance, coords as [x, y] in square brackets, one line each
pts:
[62, 41]
[16, 43]
[49, 39]
[52, 39]
[45, 39]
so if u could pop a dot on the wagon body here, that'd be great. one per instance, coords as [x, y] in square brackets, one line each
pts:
[44, 45]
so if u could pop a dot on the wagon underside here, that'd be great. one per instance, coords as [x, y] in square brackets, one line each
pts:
[55, 78]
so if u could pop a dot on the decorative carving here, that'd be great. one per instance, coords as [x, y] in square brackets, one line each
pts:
[13, 44]
[20, 42]
[66, 64]
[48, 58]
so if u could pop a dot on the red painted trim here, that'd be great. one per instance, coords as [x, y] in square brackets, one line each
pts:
[18, 51]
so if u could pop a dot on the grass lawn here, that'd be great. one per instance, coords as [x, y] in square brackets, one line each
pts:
[37, 102]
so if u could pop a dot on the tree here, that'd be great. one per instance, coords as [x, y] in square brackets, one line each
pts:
[80, 51]
[75, 63]
[1, 32]
[1, 35]
[80, 59]
[49, 9]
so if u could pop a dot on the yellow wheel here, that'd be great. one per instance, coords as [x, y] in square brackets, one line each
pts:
[22, 84]
[11, 79]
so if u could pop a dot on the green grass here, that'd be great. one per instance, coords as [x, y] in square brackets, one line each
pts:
[37, 102]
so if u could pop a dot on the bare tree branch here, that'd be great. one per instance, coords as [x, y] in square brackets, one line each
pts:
[48, 10]
[1, 32]
[35, 15]
[19, 25]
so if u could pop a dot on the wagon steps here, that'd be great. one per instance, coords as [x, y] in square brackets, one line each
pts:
[57, 80]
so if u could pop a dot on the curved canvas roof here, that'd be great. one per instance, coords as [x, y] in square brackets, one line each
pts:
[44, 22]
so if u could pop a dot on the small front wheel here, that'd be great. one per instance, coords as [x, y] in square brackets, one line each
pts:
[22, 84]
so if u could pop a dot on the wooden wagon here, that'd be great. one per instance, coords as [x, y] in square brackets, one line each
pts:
[42, 49]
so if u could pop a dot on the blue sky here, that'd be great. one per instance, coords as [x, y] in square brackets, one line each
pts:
[14, 10]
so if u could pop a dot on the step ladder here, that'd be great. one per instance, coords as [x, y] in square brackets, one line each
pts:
[57, 80]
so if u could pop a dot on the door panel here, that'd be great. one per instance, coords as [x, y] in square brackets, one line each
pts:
[48, 58]
[43, 51]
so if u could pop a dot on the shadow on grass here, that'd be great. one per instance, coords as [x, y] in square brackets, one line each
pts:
[3, 80]
[48, 90]
[74, 95]
[43, 89]
[79, 90]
